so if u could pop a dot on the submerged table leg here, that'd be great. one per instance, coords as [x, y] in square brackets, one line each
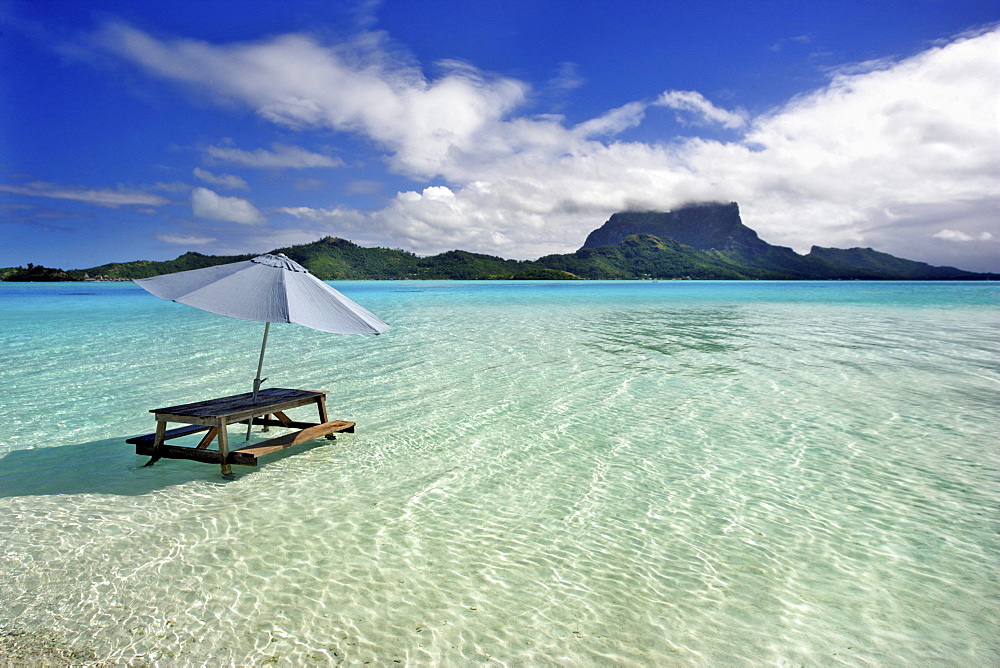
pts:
[161, 432]
[321, 402]
[227, 471]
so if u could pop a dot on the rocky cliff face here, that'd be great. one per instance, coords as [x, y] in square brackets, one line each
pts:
[712, 226]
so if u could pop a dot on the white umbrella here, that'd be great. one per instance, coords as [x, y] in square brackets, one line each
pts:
[268, 288]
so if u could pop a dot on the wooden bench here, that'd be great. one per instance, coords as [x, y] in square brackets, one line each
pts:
[146, 440]
[245, 456]
[216, 415]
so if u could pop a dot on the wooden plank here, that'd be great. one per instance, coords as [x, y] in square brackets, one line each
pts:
[239, 401]
[158, 439]
[242, 459]
[169, 434]
[253, 411]
[292, 424]
[182, 452]
[224, 448]
[194, 454]
[188, 419]
[284, 419]
[240, 406]
[208, 438]
[294, 438]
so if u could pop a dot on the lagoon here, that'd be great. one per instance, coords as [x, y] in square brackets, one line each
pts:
[581, 473]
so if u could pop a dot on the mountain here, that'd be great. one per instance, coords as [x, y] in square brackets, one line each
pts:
[711, 226]
[873, 264]
[716, 229]
[649, 256]
[699, 241]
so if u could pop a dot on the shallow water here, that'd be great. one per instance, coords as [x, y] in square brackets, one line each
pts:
[543, 473]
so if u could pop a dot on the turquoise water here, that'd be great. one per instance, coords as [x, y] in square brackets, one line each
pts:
[673, 473]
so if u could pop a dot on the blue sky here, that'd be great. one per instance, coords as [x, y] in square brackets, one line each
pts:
[142, 130]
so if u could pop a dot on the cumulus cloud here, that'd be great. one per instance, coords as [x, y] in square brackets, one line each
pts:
[230, 181]
[99, 196]
[358, 87]
[280, 155]
[206, 203]
[884, 150]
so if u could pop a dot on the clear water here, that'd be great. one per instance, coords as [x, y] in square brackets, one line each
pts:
[673, 473]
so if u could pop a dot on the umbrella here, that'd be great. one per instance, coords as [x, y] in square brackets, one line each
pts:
[268, 288]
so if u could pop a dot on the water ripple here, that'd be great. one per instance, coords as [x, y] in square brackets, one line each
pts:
[537, 478]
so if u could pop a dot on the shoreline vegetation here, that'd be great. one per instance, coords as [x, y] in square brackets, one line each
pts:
[695, 242]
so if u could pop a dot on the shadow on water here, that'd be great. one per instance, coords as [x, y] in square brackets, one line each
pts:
[110, 466]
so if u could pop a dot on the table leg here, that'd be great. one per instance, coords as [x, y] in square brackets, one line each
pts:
[161, 431]
[321, 402]
[227, 471]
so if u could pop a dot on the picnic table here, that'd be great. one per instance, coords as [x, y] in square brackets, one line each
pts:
[214, 416]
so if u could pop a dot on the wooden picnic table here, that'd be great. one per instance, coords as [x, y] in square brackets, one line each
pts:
[215, 415]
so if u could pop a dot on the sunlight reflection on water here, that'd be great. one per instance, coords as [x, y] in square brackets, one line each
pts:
[594, 473]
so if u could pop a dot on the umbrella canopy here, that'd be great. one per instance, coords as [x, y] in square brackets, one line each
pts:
[268, 288]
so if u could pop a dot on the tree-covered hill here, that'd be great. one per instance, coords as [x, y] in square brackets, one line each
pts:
[700, 241]
[34, 273]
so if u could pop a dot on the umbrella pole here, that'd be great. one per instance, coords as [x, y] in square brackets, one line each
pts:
[258, 380]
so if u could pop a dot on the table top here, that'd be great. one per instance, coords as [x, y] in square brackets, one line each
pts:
[243, 405]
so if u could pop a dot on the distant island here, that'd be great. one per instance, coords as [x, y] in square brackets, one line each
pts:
[699, 241]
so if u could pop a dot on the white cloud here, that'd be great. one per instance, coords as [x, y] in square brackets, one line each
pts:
[184, 240]
[885, 148]
[208, 204]
[173, 187]
[230, 181]
[693, 101]
[957, 235]
[613, 122]
[280, 155]
[567, 77]
[99, 196]
[294, 81]
[798, 39]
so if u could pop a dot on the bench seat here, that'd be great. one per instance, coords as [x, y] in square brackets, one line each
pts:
[245, 456]
[149, 439]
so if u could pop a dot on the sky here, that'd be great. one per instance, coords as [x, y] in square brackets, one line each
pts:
[143, 130]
